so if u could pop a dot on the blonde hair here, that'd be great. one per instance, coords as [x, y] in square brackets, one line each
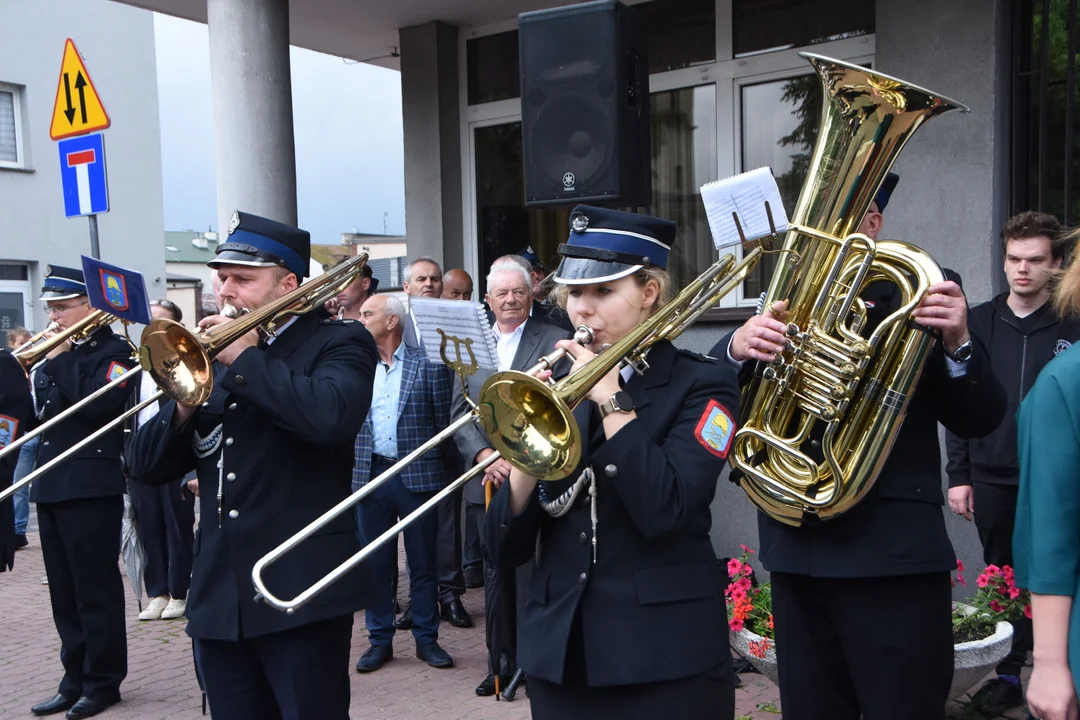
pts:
[1066, 293]
[560, 292]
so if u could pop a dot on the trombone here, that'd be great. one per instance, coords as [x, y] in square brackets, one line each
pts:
[32, 355]
[180, 361]
[530, 422]
[37, 337]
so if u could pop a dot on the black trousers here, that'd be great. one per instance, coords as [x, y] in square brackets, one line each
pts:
[448, 546]
[166, 518]
[880, 648]
[995, 513]
[80, 542]
[709, 696]
[296, 674]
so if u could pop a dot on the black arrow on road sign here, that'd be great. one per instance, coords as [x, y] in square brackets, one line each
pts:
[80, 83]
[70, 112]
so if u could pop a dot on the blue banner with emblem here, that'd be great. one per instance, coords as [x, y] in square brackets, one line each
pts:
[116, 290]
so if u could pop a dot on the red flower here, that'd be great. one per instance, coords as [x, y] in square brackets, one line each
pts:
[758, 648]
[1014, 592]
[771, 626]
[996, 606]
[1027, 611]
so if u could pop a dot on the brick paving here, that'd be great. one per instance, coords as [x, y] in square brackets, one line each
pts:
[161, 680]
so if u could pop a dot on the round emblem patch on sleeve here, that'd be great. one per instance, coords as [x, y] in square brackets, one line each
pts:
[715, 429]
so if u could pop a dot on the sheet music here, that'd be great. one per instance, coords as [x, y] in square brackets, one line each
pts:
[746, 195]
[459, 318]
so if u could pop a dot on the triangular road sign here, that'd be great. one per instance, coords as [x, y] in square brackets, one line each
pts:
[78, 109]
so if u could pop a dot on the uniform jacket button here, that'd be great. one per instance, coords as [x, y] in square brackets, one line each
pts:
[231, 477]
[581, 578]
[44, 442]
[99, 449]
[611, 471]
[233, 406]
[228, 441]
[206, 404]
[583, 538]
[234, 514]
[239, 380]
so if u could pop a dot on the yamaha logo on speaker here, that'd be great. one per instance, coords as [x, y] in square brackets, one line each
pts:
[568, 181]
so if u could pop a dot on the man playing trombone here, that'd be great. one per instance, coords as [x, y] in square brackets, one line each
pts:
[80, 502]
[273, 449]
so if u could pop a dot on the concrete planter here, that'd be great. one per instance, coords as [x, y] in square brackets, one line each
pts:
[973, 660]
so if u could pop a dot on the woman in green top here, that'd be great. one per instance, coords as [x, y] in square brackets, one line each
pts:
[1046, 538]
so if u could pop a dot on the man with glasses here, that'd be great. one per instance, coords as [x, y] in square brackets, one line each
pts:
[80, 502]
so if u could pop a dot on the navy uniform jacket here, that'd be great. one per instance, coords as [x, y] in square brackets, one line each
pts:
[58, 384]
[15, 412]
[288, 415]
[899, 527]
[652, 607]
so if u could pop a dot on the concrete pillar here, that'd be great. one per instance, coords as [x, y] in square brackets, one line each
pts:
[953, 194]
[430, 118]
[253, 119]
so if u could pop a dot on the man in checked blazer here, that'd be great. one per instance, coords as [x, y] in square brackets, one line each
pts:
[521, 340]
[410, 404]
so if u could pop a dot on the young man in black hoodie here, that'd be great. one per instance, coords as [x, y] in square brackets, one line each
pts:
[1022, 333]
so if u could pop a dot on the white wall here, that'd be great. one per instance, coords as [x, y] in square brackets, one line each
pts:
[117, 45]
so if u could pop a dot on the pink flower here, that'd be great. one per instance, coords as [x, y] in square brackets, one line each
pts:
[982, 581]
[1014, 593]
[959, 565]
[993, 570]
[733, 567]
[743, 583]
[746, 550]
[960, 579]
[996, 606]
[736, 624]
[1027, 611]
[736, 593]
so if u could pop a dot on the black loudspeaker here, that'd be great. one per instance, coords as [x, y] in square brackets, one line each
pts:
[585, 105]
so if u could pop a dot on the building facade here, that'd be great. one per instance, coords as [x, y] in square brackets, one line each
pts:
[117, 46]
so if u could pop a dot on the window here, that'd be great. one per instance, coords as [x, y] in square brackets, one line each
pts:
[10, 127]
[492, 69]
[780, 121]
[766, 25]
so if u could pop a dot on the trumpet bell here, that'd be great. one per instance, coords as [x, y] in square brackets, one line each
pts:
[530, 425]
[177, 361]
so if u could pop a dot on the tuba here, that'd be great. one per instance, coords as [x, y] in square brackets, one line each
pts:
[820, 420]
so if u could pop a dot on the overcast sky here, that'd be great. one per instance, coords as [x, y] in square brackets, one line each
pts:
[347, 124]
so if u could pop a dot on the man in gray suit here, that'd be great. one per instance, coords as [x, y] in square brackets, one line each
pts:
[521, 341]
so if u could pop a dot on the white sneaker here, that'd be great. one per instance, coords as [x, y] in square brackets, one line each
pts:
[155, 608]
[175, 609]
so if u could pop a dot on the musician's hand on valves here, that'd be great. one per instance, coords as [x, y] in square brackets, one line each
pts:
[230, 352]
[761, 337]
[602, 391]
[945, 308]
[332, 306]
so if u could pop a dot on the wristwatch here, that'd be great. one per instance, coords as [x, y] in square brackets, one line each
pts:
[962, 354]
[619, 402]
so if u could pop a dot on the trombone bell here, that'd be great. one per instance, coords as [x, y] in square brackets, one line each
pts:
[177, 361]
[526, 421]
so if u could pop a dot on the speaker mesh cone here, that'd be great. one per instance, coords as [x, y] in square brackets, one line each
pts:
[572, 136]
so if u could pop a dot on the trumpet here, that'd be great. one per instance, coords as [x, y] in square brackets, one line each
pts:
[180, 360]
[529, 422]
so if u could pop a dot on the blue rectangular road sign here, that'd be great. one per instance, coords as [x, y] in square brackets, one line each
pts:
[82, 169]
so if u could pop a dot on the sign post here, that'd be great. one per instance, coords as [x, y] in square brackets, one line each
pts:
[78, 111]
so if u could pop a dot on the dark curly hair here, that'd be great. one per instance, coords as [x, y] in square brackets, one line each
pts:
[1034, 223]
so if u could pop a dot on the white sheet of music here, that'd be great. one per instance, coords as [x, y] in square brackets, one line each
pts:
[745, 195]
[460, 318]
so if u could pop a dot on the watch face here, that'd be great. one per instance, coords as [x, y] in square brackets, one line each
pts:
[623, 401]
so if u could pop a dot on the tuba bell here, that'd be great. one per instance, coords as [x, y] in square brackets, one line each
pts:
[820, 420]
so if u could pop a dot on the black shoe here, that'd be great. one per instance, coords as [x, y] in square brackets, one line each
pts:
[434, 655]
[996, 696]
[21, 541]
[474, 577]
[58, 703]
[455, 612]
[405, 621]
[89, 707]
[375, 657]
[487, 688]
